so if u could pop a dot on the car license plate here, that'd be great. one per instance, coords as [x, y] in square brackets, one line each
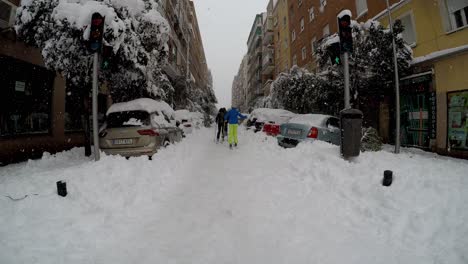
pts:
[125, 141]
[294, 132]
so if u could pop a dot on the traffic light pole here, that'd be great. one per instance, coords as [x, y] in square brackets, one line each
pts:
[95, 107]
[346, 80]
[397, 84]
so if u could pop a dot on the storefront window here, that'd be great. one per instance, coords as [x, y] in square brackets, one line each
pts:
[26, 98]
[458, 120]
[73, 110]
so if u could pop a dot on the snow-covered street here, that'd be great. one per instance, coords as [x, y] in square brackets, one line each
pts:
[199, 202]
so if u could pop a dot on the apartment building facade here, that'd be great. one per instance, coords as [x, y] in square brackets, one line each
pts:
[268, 61]
[282, 39]
[255, 60]
[434, 100]
[187, 66]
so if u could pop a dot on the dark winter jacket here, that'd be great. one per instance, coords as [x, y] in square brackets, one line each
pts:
[233, 115]
[220, 117]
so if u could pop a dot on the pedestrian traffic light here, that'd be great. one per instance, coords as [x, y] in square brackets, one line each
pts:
[107, 53]
[346, 34]
[333, 51]
[96, 33]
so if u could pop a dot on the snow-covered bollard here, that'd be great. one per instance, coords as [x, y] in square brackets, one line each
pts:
[62, 188]
[388, 178]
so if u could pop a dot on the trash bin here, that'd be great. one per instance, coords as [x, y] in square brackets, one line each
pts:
[351, 132]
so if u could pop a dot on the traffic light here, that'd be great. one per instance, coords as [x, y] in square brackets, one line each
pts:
[346, 33]
[96, 33]
[107, 53]
[333, 51]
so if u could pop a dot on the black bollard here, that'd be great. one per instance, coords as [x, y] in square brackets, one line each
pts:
[388, 178]
[62, 188]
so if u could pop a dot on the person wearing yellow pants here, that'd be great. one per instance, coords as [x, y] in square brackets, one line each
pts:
[233, 134]
[232, 116]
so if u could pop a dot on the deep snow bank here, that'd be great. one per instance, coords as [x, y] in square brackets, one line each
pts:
[198, 202]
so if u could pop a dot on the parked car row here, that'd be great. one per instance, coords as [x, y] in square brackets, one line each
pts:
[291, 129]
[142, 127]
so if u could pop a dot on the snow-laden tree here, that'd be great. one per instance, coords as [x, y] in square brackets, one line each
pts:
[134, 29]
[371, 73]
[371, 63]
[303, 92]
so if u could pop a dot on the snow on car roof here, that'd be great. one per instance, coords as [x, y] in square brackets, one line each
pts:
[272, 115]
[310, 119]
[142, 104]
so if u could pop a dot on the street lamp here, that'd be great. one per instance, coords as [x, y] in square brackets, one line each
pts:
[397, 84]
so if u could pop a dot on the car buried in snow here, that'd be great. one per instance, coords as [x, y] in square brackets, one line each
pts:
[268, 120]
[309, 127]
[184, 121]
[139, 127]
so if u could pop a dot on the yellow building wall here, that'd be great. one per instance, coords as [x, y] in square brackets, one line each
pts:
[284, 54]
[429, 26]
[451, 75]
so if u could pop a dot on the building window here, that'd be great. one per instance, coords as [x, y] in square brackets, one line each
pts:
[286, 42]
[458, 120]
[458, 13]
[284, 21]
[302, 24]
[300, 2]
[304, 53]
[294, 60]
[26, 98]
[326, 30]
[311, 14]
[409, 34]
[361, 7]
[293, 35]
[6, 14]
[314, 45]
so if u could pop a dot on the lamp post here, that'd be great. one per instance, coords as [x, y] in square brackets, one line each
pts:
[397, 84]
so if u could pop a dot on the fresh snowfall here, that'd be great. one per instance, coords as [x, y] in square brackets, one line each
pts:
[197, 202]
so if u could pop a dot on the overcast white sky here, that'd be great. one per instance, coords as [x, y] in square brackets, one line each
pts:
[225, 27]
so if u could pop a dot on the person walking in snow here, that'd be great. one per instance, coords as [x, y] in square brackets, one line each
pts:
[232, 116]
[221, 124]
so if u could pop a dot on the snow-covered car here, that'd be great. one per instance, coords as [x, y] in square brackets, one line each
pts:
[197, 119]
[184, 120]
[309, 127]
[271, 118]
[138, 127]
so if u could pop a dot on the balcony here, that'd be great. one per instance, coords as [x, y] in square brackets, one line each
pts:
[268, 33]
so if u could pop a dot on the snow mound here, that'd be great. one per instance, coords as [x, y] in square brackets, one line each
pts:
[198, 202]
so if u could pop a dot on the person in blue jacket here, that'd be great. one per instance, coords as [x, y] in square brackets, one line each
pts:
[232, 116]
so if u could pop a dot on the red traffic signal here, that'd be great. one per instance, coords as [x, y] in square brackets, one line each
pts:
[345, 31]
[96, 33]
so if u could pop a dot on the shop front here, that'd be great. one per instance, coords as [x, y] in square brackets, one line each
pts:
[418, 111]
[457, 126]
